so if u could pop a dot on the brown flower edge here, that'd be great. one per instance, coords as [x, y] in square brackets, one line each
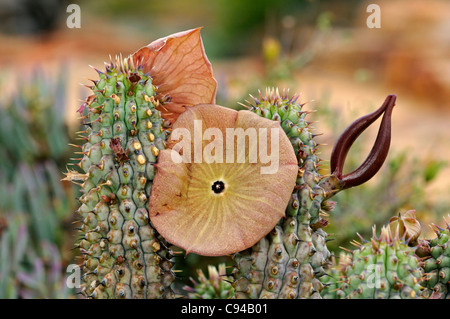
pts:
[216, 209]
[180, 70]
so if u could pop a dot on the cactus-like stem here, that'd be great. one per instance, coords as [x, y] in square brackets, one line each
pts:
[435, 263]
[289, 261]
[127, 121]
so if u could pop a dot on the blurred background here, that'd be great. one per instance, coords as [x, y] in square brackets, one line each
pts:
[321, 49]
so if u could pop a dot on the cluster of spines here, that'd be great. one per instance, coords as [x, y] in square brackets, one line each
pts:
[279, 107]
[334, 274]
[123, 255]
[435, 262]
[286, 263]
[382, 268]
[216, 286]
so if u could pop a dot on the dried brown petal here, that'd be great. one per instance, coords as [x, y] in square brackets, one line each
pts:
[406, 226]
[180, 70]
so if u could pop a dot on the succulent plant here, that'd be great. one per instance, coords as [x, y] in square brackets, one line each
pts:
[397, 264]
[146, 186]
[335, 271]
[215, 207]
[289, 261]
[435, 262]
[217, 285]
[134, 102]
[383, 268]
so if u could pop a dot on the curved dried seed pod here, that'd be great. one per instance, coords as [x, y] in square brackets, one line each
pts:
[377, 155]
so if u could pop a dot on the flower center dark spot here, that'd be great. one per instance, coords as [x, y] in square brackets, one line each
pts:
[218, 187]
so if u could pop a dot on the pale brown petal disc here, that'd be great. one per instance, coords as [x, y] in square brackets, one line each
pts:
[180, 70]
[212, 208]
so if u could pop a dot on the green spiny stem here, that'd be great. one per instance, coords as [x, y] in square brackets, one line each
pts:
[289, 261]
[123, 255]
[383, 268]
[286, 262]
[435, 262]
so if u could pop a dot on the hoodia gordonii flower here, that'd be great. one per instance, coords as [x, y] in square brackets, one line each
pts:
[209, 202]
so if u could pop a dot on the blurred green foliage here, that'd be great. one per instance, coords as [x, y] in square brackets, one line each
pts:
[232, 27]
[27, 272]
[35, 207]
[32, 121]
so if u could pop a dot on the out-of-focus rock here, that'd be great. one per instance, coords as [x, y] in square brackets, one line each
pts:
[410, 52]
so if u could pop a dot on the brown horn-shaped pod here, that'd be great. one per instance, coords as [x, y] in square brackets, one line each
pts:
[377, 155]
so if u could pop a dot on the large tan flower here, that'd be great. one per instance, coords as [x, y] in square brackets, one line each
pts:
[180, 70]
[213, 208]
